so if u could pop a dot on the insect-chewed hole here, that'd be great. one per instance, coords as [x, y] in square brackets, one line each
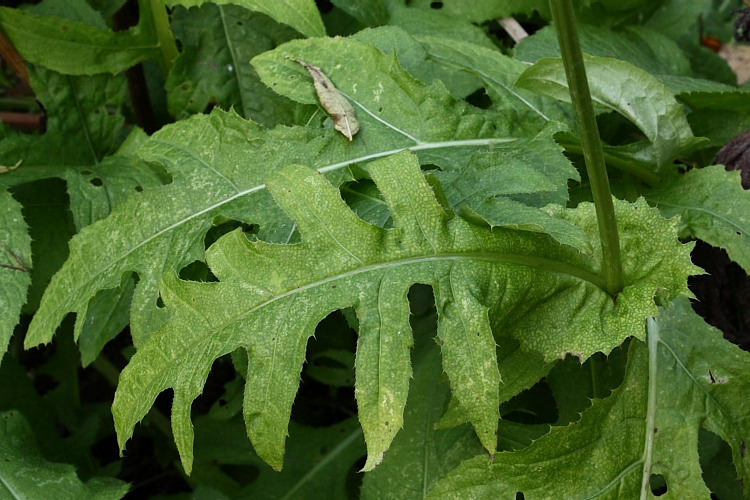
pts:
[197, 271]
[479, 99]
[436, 5]
[520, 496]
[96, 181]
[658, 485]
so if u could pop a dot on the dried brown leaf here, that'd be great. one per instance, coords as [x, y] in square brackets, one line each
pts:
[333, 101]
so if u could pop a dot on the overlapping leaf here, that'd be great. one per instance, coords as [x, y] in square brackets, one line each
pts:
[630, 91]
[713, 207]
[214, 68]
[270, 298]
[219, 164]
[687, 378]
[15, 266]
[84, 126]
[302, 15]
[24, 473]
[76, 47]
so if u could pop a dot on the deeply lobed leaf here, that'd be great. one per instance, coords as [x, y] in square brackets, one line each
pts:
[220, 162]
[270, 298]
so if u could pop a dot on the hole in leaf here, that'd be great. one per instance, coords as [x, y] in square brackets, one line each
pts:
[658, 485]
[519, 496]
[139, 189]
[535, 405]
[479, 99]
[436, 5]
[87, 172]
[96, 181]
[197, 271]
[160, 302]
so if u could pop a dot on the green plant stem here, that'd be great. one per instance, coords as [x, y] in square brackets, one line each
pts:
[157, 11]
[570, 48]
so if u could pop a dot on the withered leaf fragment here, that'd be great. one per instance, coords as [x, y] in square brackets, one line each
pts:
[333, 101]
[735, 155]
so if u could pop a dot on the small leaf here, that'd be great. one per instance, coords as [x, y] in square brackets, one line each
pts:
[335, 104]
[24, 473]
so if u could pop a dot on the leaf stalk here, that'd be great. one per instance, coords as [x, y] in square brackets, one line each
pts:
[563, 17]
[160, 23]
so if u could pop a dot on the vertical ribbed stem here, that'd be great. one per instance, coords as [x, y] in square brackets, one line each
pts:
[570, 48]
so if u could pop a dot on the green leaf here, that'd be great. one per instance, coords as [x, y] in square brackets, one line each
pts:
[635, 94]
[498, 73]
[483, 10]
[345, 262]
[220, 162]
[319, 459]
[368, 12]
[214, 66]
[420, 454]
[417, 61]
[712, 206]
[76, 48]
[424, 22]
[644, 48]
[642, 429]
[24, 473]
[84, 125]
[15, 266]
[505, 212]
[302, 15]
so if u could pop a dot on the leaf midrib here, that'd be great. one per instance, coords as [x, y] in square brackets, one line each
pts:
[328, 168]
[529, 261]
